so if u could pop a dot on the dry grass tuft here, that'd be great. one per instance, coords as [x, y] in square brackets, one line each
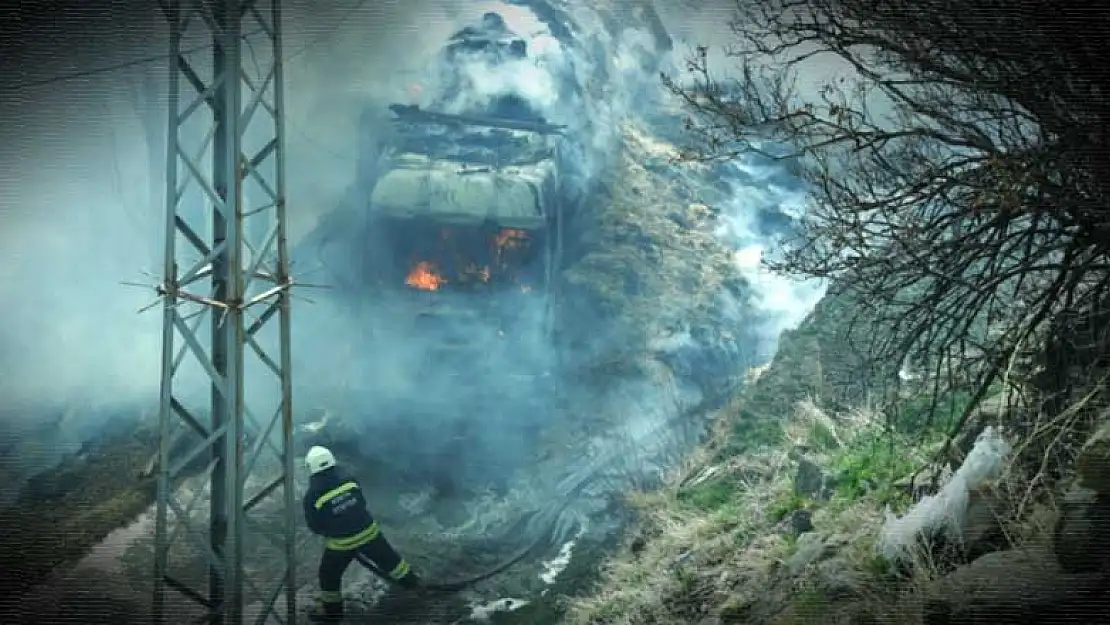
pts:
[685, 559]
[689, 562]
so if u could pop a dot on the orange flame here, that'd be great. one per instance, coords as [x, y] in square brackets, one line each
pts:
[424, 277]
[509, 237]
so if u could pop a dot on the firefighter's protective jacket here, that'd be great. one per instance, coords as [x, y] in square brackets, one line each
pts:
[335, 508]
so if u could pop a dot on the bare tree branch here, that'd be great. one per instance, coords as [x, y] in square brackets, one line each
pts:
[958, 174]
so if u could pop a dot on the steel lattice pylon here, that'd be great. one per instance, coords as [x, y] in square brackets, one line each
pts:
[226, 264]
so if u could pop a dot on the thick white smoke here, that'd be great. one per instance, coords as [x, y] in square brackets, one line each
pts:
[755, 221]
[82, 197]
[383, 367]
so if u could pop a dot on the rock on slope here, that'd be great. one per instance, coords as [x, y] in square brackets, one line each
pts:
[778, 518]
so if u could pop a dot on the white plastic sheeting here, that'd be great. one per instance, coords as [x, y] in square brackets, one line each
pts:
[945, 513]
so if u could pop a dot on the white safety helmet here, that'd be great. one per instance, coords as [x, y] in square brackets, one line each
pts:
[318, 459]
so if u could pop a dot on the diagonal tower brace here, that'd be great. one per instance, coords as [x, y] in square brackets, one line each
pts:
[226, 263]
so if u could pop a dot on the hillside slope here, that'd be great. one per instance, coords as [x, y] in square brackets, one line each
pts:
[783, 516]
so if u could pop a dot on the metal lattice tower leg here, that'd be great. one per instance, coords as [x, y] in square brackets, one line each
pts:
[225, 149]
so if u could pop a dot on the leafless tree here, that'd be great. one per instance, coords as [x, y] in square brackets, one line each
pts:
[958, 170]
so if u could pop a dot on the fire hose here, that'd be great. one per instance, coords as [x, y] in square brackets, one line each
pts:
[462, 584]
[541, 536]
[546, 530]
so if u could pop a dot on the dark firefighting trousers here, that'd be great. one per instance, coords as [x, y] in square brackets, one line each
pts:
[369, 548]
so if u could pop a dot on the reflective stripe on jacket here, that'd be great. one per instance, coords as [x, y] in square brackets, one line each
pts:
[335, 508]
[348, 543]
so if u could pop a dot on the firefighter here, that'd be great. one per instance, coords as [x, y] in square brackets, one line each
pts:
[335, 508]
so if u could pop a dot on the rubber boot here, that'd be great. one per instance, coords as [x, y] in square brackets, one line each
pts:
[411, 582]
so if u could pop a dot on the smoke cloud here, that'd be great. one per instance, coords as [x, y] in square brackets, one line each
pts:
[764, 201]
[82, 208]
[475, 416]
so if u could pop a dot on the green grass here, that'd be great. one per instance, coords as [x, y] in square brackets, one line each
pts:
[807, 607]
[821, 436]
[791, 504]
[873, 461]
[878, 567]
[868, 465]
[918, 414]
[748, 432]
[709, 495]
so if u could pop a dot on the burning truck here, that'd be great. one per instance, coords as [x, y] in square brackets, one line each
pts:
[448, 258]
[467, 210]
[458, 211]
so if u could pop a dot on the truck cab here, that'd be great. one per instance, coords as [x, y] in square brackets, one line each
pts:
[466, 208]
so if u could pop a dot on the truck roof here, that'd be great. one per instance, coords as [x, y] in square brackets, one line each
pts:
[418, 186]
[467, 170]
